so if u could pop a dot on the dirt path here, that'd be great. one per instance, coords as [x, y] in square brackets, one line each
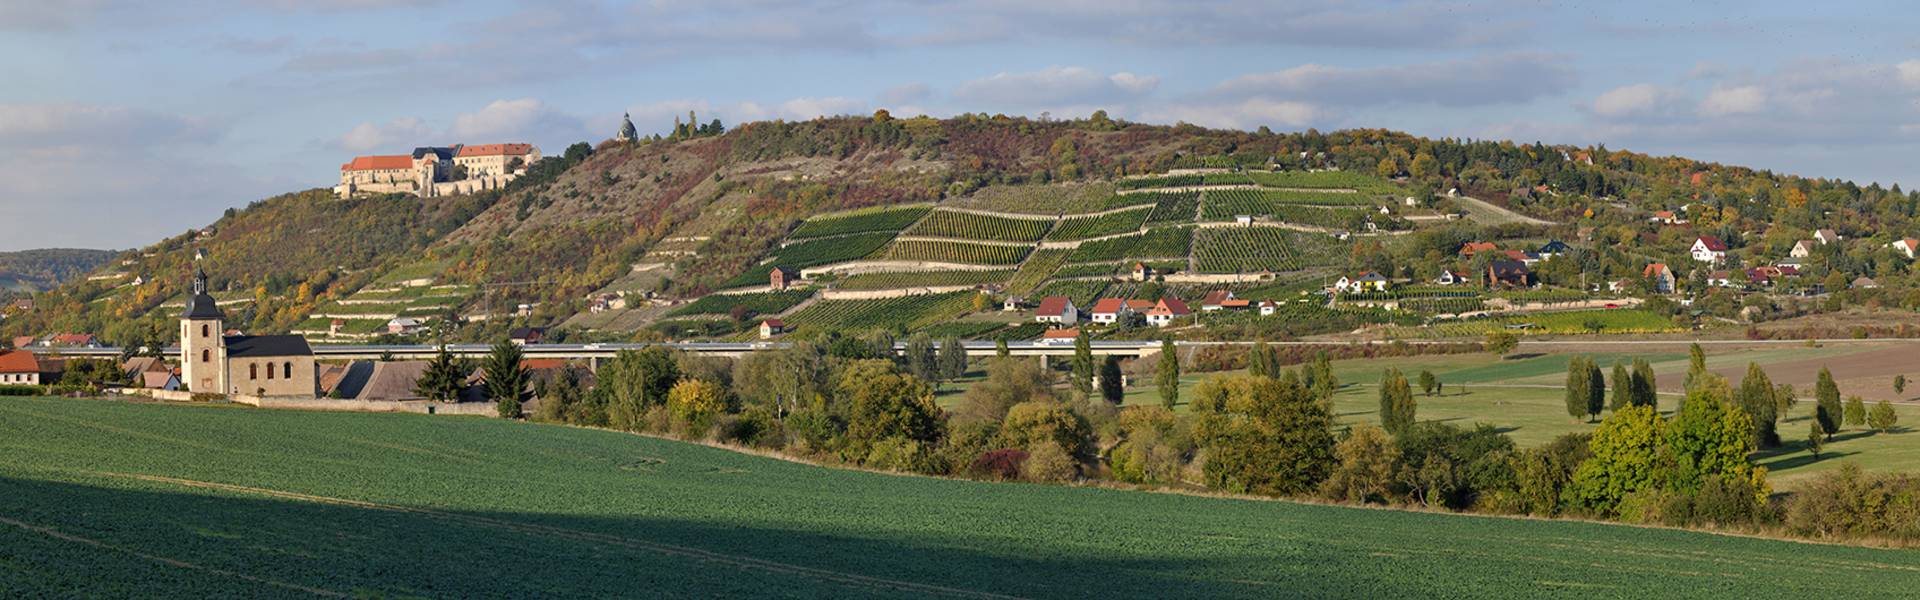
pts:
[1486, 212]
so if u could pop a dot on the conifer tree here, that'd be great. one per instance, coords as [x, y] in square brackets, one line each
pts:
[506, 378]
[1827, 411]
[1622, 387]
[1168, 378]
[1083, 364]
[1576, 387]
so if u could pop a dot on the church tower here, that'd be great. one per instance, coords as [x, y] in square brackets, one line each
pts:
[203, 351]
[627, 132]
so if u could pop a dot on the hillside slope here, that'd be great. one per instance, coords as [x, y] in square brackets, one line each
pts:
[111, 499]
[43, 269]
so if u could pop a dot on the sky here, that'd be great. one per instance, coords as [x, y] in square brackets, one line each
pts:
[123, 122]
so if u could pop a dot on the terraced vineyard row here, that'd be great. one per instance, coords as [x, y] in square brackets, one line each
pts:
[1222, 205]
[1253, 249]
[760, 304]
[1164, 242]
[1174, 207]
[972, 226]
[1160, 182]
[910, 312]
[862, 221]
[812, 253]
[1059, 198]
[957, 252]
[1081, 291]
[912, 279]
[1080, 228]
[1320, 179]
[1038, 268]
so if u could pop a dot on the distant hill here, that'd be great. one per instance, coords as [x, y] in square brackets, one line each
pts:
[637, 240]
[36, 270]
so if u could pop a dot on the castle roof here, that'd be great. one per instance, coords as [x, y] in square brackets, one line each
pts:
[439, 152]
[379, 163]
[496, 150]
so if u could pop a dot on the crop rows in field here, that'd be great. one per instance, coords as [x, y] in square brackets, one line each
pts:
[1222, 205]
[1547, 295]
[966, 330]
[1563, 323]
[1174, 207]
[1081, 291]
[1442, 305]
[909, 312]
[974, 226]
[1144, 183]
[1250, 249]
[760, 304]
[862, 221]
[1162, 242]
[812, 253]
[1320, 179]
[957, 252]
[1411, 292]
[915, 279]
[1080, 228]
[1036, 269]
[1059, 198]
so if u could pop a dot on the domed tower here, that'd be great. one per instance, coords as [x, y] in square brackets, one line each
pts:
[627, 132]
[203, 349]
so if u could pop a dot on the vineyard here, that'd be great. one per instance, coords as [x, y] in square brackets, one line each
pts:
[1038, 268]
[915, 279]
[861, 221]
[1223, 205]
[1144, 183]
[1253, 249]
[1080, 228]
[1346, 180]
[1082, 291]
[1174, 207]
[1618, 321]
[757, 304]
[957, 252]
[974, 226]
[909, 312]
[812, 253]
[1051, 199]
[1164, 242]
[1543, 296]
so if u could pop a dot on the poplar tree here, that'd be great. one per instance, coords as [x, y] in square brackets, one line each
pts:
[1083, 364]
[1396, 402]
[953, 358]
[1168, 379]
[1756, 395]
[1622, 387]
[1596, 390]
[1827, 411]
[1577, 384]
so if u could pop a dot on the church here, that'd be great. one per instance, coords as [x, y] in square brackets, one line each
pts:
[212, 362]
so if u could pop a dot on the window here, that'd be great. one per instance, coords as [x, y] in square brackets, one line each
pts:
[286, 370]
[269, 370]
[203, 330]
[206, 356]
[253, 371]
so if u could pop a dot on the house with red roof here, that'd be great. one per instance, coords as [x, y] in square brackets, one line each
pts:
[73, 340]
[1221, 300]
[1660, 277]
[1141, 271]
[1709, 249]
[1165, 311]
[1060, 336]
[19, 367]
[1108, 311]
[1469, 249]
[1057, 310]
[1907, 247]
[772, 327]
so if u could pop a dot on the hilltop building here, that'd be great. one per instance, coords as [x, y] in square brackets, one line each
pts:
[239, 365]
[431, 171]
[627, 132]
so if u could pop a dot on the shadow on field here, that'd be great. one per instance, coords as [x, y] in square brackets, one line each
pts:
[61, 539]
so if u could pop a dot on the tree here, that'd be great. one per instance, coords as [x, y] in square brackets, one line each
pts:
[1696, 363]
[444, 377]
[1262, 435]
[694, 403]
[1827, 411]
[952, 358]
[1367, 460]
[883, 403]
[1083, 364]
[1030, 424]
[1429, 384]
[1396, 402]
[1756, 397]
[1625, 450]
[1643, 385]
[1622, 387]
[1501, 342]
[1882, 419]
[1008, 383]
[506, 378]
[1596, 390]
[1112, 382]
[1816, 436]
[1000, 349]
[1168, 377]
[1577, 387]
[1261, 360]
[1710, 436]
[1856, 411]
[1900, 384]
[783, 380]
[560, 397]
[636, 381]
[920, 358]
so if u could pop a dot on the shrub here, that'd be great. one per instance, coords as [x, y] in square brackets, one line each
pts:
[695, 403]
[1048, 462]
[1028, 424]
[754, 426]
[21, 390]
[1849, 503]
[902, 454]
[999, 464]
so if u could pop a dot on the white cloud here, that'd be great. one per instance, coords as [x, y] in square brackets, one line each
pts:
[1244, 114]
[1497, 79]
[405, 131]
[1627, 100]
[1054, 87]
[1909, 71]
[1737, 100]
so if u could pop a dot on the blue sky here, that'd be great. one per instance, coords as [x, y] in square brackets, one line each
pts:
[123, 122]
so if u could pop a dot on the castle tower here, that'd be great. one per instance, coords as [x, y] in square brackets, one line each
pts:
[627, 132]
[203, 351]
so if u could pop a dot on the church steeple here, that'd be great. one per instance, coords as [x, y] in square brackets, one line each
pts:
[627, 132]
[199, 281]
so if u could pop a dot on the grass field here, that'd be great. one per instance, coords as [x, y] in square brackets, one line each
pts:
[102, 498]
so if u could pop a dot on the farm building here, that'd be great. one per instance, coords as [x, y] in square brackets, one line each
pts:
[19, 367]
[772, 327]
[1168, 309]
[1056, 309]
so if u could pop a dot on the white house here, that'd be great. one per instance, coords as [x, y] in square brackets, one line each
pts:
[1451, 277]
[1709, 249]
[1826, 236]
[1802, 249]
[1906, 247]
[1369, 281]
[1056, 309]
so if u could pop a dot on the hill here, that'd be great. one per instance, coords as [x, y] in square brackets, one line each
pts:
[611, 242]
[116, 499]
[35, 270]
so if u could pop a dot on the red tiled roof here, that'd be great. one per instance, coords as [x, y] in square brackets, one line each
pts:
[1140, 304]
[18, 361]
[1652, 269]
[1061, 334]
[72, 339]
[378, 163]
[774, 323]
[1470, 248]
[1235, 303]
[1170, 306]
[1052, 306]
[23, 341]
[1714, 243]
[1108, 306]
[496, 150]
[1215, 298]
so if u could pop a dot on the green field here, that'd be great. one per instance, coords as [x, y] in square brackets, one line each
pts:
[101, 498]
[909, 312]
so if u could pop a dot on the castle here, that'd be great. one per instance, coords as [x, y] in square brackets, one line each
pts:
[431, 171]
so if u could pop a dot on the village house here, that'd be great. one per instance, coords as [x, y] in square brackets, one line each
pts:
[1667, 217]
[1057, 310]
[1802, 249]
[772, 327]
[1826, 236]
[1709, 249]
[1108, 311]
[404, 325]
[72, 340]
[1166, 311]
[1469, 249]
[19, 367]
[1060, 336]
[1508, 274]
[1863, 283]
[212, 361]
[1659, 278]
[1219, 300]
[1452, 277]
[1906, 247]
[1527, 258]
[1722, 278]
[522, 336]
[1268, 307]
[1552, 248]
[1012, 303]
[1369, 281]
[781, 277]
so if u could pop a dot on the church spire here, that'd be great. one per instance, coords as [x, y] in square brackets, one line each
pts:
[199, 281]
[627, 132]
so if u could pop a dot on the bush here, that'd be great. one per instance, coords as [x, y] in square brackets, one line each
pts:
[752, 427]
[902, 454]
[1848, 503]
[810, 431]
[1001, 464]
[1028, 424]
[22, 390]
[1050, 463]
